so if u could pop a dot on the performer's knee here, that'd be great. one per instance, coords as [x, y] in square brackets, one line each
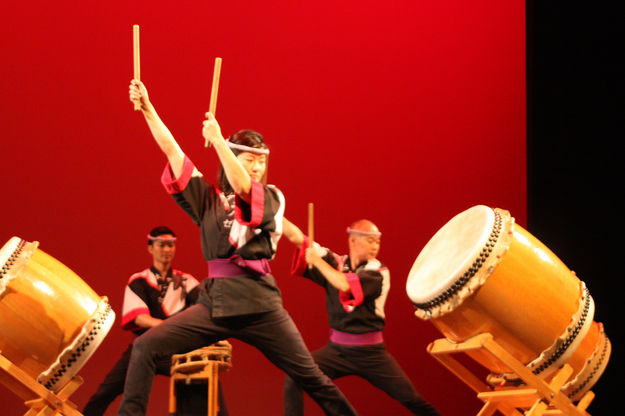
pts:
[144, 347]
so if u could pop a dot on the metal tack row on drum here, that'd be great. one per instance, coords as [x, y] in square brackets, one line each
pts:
[51, 321]
[482, 273]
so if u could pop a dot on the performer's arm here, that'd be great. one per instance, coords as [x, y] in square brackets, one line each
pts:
[237, 176]
[162, 135]
[147, 321]
[333, 276]
[292, 233]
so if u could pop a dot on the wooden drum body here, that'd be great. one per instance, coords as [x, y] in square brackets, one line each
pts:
[51, 321]
[482, 273]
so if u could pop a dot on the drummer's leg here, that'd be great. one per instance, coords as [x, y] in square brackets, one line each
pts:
[111, 387]
[382, 370]
[183, 332]
[330, 363]
[277, 337]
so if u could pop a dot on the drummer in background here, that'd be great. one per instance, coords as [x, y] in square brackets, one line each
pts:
[151, 296]
[356, 288]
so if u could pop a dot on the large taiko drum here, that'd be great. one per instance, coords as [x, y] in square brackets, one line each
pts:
[51, 321]
[482, 273]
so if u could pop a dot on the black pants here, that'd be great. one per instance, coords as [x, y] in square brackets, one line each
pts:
[371, 362]
[113, 385]
[273, 333]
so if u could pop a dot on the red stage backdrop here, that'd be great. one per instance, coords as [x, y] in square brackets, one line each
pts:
[402, 112]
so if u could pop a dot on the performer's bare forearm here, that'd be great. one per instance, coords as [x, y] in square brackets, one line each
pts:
[292, 233]
[333, 276]
[165, 140]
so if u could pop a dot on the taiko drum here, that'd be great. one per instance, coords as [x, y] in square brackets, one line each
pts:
[482, 273]
[51, 321]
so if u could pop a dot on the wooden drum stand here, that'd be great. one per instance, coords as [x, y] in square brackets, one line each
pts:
[201, 364]
[40, 400]
[535, 398]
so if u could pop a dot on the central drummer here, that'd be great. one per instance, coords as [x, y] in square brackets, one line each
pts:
[240, 222]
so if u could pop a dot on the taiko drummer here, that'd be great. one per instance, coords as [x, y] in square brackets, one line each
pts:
[356, 287]
[240, 221]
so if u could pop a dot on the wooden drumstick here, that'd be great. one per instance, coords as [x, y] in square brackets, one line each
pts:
[311, 230]
[136, 58]
[212, 107]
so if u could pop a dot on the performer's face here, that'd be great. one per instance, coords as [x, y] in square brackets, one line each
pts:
[365, 247]
[163, 249]
[254, 164]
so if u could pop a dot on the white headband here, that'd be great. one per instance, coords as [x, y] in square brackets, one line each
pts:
[244, 148]
[368, 233]
[159, 238]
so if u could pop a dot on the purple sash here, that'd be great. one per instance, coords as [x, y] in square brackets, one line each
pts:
[344, 338]
[237, 266]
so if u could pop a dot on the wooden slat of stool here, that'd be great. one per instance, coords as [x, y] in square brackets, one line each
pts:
[213, 384]
[201, 364]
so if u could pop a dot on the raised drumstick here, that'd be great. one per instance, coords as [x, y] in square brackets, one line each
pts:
[136, 58]
[311, 228]
[212, 107]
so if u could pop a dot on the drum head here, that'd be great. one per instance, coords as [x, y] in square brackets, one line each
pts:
[449, 253]
[10, 263]
[8, 249]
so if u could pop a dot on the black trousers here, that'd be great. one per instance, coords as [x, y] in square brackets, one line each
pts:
[273, 333]
[371, 362]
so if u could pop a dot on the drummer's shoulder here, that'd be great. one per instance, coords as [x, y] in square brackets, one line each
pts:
[143, 274]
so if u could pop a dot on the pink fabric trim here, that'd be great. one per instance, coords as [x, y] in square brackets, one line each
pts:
[222, 198]
[355, 296]
[232, 242]
[298, 264]
[128, 320]
[145, 277]
[165, 311]
[340, 261]
[257, 205]
[173, 185]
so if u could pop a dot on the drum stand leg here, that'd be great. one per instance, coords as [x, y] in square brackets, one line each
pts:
[41, 401]
[535, 398]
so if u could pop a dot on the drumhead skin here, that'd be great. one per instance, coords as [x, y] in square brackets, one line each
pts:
[458, 259]
[449, 253]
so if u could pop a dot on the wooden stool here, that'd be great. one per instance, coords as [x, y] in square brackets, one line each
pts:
[201, 364]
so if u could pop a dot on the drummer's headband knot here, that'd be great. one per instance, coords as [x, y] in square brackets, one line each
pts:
[366, 233]
[244, 148]
[163, 239]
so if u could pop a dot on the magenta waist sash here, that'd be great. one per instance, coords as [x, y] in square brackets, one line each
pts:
[237, 266]
[344, 338]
